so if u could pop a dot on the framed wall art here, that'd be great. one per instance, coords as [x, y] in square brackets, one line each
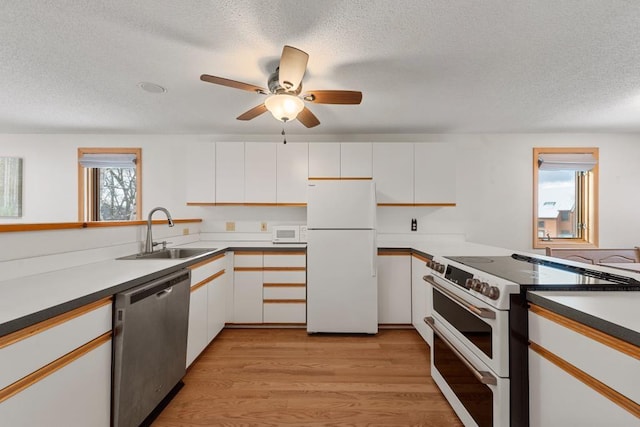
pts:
[10, 187]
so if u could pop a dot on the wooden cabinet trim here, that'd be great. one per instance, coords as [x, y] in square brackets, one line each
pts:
[284, 285]
[247, 268]
[394, 252]
[207, 280]
[52, 367]
[284, 268]
[603, 389]
[420, 257]
[246, 252]
[284, 301]
[8, 228]
[206, 261]
[445, 204]
[333, 178]
[35, 329]
[589, 332]
[285, 253]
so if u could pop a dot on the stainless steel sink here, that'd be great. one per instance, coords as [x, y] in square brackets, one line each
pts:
[171, 253]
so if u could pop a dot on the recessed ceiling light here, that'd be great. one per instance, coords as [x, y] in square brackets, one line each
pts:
[151, 87]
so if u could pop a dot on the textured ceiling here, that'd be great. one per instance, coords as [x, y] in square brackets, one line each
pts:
[424, 66]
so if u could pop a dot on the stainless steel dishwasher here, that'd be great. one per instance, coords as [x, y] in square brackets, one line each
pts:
[150, 345]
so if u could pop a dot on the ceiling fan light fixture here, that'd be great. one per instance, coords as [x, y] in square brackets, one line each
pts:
[284, 107]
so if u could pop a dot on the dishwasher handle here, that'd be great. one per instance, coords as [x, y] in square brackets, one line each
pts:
[157, 287]
[164, 292]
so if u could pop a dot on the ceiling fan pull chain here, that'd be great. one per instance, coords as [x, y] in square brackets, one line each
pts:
[284, 136]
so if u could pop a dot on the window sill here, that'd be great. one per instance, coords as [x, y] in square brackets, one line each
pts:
[578, 244]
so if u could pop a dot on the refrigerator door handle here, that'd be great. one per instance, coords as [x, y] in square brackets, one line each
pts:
[374, 258]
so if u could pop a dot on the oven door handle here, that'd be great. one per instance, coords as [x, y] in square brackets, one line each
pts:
[483, 376]
[479, 311]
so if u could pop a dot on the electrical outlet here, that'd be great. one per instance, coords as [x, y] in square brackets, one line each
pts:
[231, 226]
[263, 226]
[185, 231]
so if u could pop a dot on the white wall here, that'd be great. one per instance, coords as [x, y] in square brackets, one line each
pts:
[494, 185]
[50, 172]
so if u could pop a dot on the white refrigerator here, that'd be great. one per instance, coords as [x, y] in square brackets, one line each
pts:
[342, 283]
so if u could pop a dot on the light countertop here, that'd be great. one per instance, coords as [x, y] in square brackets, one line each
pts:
[614, 313]
[31, 299]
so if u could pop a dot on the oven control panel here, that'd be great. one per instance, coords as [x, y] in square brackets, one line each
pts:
[486, 287]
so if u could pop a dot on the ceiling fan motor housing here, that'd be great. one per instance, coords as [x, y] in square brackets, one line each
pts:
[274, 84]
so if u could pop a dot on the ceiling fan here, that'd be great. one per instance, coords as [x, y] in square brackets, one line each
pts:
[285, 95]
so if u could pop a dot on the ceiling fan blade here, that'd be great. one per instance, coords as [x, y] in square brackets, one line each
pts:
[232, 83]
[253, 113]
[293, 64]
[307, 118]
[333, 96]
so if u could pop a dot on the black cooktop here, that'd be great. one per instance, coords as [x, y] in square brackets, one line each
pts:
[543, 274]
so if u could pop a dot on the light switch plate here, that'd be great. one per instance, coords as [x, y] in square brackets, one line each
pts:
[185, 231]
[231, 226]
[263, 226]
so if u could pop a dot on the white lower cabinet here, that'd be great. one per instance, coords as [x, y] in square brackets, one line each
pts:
[580, 376]
[78, 394]
[247, 287]
[420, 297]
[207, 305]
[67, 381]
[197, 335]
[394, 287]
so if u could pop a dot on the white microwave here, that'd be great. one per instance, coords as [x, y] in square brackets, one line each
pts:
[289, 234]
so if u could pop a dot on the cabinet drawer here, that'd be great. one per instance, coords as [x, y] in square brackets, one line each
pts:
[284, 277]
[613, 367]
[278, 312]
[247, 259]
[77, 393]
[285, 259]
[30, 349]
[285, 292]
[207, 268]
[557, 398]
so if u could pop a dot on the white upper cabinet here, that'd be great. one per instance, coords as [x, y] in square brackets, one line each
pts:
[324, 160]
[292, 173]
[356, 160]
[393, 172]
[229, 172]
[260, 172]
[435, 173]
[201, 172]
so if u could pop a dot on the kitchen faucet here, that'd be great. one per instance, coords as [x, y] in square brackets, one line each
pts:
[148, 246]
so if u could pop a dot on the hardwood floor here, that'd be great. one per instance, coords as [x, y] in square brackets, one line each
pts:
[284, 377]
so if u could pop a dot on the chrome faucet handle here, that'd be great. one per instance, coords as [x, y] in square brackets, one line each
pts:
[164, 244]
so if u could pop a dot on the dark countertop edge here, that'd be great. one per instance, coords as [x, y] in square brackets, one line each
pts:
[302, 247]
[597, 323]
[42, 315]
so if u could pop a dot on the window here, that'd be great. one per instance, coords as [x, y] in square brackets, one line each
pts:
[565, 197]
[109, 183]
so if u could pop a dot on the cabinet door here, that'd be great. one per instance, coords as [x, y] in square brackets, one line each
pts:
[247, 297]
[78, 394]
[229, 172]
[324, 160]
[201, 172]
[393, 172]
[435, 173]
[556, 398]
[197, 333]
[394, 288]
[216, 306]
[293, 171]
[356, 160]
[260, 172]
[420, 298]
